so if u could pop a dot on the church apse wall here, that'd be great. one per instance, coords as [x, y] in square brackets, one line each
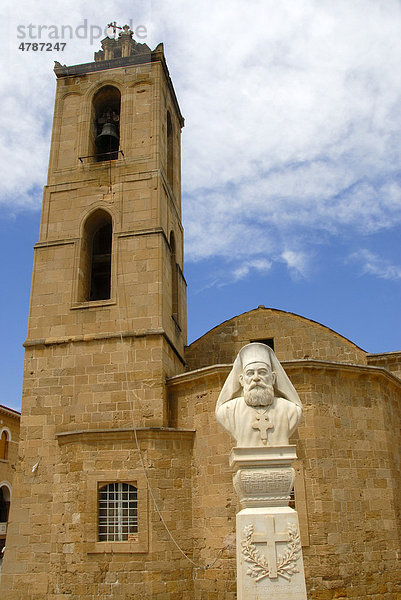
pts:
[293, 337]
[387, 360]
[347, 485]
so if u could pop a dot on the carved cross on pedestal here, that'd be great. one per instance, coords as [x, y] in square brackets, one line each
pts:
[263, 423]
[271, 537]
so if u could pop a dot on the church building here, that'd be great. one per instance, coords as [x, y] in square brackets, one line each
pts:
[123, 488]
[9, 436]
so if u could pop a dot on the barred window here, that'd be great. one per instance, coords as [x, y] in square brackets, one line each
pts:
[118, 512]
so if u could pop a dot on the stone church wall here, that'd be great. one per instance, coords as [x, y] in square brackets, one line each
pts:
[387, 360]
[348, 445]
[56, 522]
[294, 338]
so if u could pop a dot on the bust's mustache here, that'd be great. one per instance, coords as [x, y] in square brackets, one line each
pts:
[259, 384]
[259, 394]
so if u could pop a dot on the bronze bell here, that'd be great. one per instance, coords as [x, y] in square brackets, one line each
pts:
[107, 142]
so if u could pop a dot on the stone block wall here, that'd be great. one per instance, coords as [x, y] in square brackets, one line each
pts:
[55, 521]
[83, 385]
[387, 360]
[348, 445]
[294, 338]
[78, 389]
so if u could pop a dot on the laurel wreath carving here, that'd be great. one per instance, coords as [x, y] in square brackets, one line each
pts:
[286, 562]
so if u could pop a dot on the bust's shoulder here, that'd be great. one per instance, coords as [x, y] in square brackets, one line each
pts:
[286, 404]
[230, 404]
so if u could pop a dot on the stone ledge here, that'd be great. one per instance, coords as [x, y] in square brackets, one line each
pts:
[113, 63]
[262, 456]
[210, 371]
[10, 412]
[307, 363]
[314, 363]
[93, 304]
[127, 433]
[116, 548]
[119, 234]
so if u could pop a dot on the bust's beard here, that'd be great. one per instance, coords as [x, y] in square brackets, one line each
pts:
[259, 395]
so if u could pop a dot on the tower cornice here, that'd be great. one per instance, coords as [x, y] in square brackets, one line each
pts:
[146, 56]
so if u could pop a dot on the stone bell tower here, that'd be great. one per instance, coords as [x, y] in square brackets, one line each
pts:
[107, 326]
[109, 260]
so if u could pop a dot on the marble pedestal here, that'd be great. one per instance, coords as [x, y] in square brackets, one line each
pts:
[269, 553]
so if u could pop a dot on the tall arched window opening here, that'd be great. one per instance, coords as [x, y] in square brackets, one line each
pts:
[95, 263]
[170, 151]
[4, 439]
[4, 511]
[106, 124]
[118, 512]
[101, 263]
[4, 503]
[174, 278]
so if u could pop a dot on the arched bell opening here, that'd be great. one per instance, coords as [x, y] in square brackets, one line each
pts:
[106, 110]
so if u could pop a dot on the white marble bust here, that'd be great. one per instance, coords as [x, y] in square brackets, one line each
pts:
[258, 404]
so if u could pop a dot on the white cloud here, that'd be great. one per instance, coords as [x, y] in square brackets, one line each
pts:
[259, 265]
[297, 262]
[297, 126]
[371, 264]
[292, 108]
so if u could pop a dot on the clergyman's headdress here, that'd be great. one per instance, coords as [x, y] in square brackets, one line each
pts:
[251, 353]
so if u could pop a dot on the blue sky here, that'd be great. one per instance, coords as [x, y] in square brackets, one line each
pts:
[291, 157]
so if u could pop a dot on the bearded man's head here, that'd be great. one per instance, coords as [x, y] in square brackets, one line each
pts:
[258, 382]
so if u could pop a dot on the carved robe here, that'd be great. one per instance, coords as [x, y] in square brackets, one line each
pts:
[248, 424]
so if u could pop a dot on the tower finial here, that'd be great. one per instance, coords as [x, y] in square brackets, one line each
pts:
[123, 30]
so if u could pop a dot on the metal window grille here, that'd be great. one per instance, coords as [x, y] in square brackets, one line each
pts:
[118, 512]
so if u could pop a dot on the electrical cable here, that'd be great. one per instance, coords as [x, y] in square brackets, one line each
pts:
[132, 396]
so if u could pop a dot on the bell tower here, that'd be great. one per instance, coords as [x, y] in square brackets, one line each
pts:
[107, 327]
[109, 260]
